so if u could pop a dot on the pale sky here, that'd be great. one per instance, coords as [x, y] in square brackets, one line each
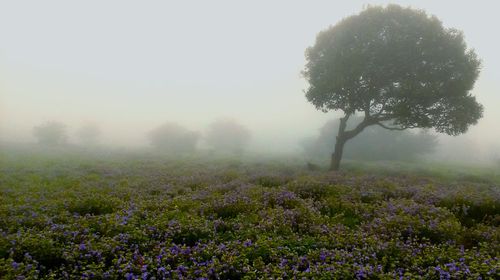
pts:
[131, 65]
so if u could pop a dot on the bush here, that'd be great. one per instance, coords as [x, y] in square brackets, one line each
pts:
[188, 231]
[50, 133]
[407, 219]
[89, 134]
[92, 205]
[471, 208]
[229, 206]
[39, 246]
[174, 139]
[228, 136]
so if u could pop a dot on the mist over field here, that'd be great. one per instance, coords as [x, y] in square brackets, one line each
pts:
[129, 67]
[249, 140]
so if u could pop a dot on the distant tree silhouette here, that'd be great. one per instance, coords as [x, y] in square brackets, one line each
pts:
[51, 133]
[396, 66]
[228, 136]
[173, 138]
[89, 134]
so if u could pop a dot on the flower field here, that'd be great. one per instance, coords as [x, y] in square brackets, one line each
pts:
[140, 218]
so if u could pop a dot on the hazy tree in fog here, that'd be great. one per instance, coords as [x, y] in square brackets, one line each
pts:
[173, 138]
[228, 136]
[397, 66]
[377, 143]
[51, 133]
[89, 134]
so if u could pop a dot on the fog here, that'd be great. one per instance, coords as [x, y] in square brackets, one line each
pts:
[130, 66]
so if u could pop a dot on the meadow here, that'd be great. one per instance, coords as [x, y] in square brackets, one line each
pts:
[131, 216]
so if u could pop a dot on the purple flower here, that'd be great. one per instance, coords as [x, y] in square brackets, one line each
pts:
[322, 256]
[181, 269]
[360, 274]
[27, 256]
[175, 250]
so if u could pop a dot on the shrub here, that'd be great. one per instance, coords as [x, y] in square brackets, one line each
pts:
[228, 136]
[50, 133]
[174, 139]
[405, 218]
[92, 205]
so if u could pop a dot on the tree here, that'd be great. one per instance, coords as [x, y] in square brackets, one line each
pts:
[173, 138]
[228, 135]
[89, 134]
[51, 133]
[399, 68]
[378, 143]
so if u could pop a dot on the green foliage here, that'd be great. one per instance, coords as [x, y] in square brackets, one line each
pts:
[407, 219]
[93, 205]
[395, 64]
[39, 246]
[228, 206]
[270, 181]
[188, 231]
[472, 208]
[343, 212]
[141, 218]
[312, 188]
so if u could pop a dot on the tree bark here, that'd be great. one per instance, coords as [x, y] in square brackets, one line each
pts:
[337, 155]
[343, 136]
[339, 145]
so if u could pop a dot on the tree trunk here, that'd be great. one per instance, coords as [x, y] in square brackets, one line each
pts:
[339, 145]
[344, 136]
[337, 155]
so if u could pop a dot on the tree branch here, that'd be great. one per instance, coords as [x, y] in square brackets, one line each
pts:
[390, 128]
[346, 117]
[367, 121]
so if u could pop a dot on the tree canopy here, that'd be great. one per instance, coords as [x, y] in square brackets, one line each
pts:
[89, 134]
[399, 67]
[51, 133]
[173, 138]
[227, 135]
